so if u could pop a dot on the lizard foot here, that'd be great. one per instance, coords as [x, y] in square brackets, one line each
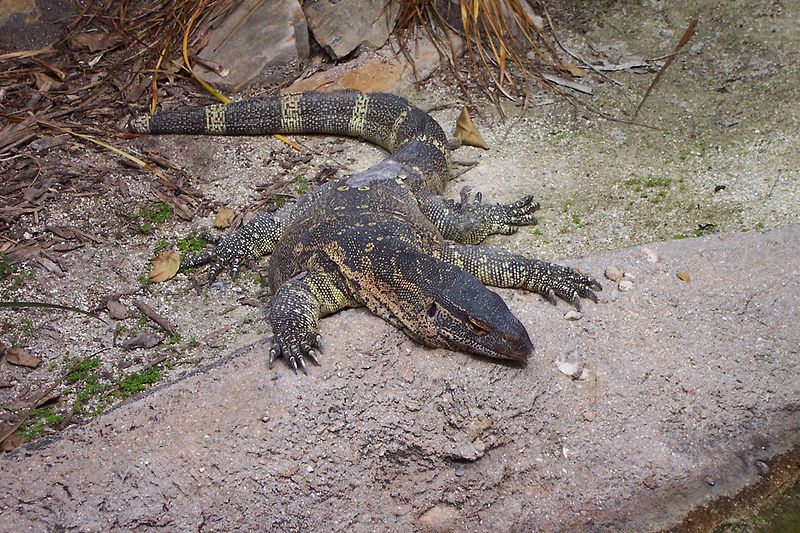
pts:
[492, 219]
[295, 350]
[557, 281]
[227, 255]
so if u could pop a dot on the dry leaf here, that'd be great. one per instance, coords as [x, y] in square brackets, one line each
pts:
[116, 309]
[21, 357]
[44, 82]
[144, 340]
[96, 41]
[224, 218]
[466, 132]
[12, 441]
[684, 276]
[165, 266]
[574, 69]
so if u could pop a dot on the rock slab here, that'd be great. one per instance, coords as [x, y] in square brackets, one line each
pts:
[689, 382]
[257, 41]
[341, 26]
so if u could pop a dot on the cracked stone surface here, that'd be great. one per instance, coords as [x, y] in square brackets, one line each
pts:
[687, 382]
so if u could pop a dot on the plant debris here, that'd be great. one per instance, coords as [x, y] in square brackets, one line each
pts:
[21, 357]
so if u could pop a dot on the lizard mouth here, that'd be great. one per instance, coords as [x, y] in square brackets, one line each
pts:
[514, 344]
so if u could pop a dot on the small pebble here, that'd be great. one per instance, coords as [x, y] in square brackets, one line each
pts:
[650, 482]
[684, 276]
[613, 273]
[763, 468]
[628, 276]
[613, 296]
[460, 472]
[625, 285]
[589, 416]
[572, 314]
[652, 256]
[569, 368]
[709, 481]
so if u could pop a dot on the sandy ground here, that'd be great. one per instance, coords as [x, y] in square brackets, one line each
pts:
[691, 387]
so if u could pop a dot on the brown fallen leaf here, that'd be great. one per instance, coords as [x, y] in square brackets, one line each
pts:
[116, 309]
[44, 82]
[96, 41]
[64, 232]
[143, 340]
[11, 442]
[224, 218]
[164, 266]
[684, 276]
[574, 69]
[466, 132]
[22, 357]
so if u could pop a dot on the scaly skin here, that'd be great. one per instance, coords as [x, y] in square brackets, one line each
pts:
[381, 238]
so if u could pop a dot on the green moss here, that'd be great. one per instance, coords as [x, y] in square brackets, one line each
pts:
[79, 369]
[26, 328]
[40, 418]
[192, 244]
[302, 184]
[144, 278]
[138, 381]
[647, 182]
[705, 229]
[161, 245]
[153, 216]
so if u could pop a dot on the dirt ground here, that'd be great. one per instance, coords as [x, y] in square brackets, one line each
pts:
[690, 386]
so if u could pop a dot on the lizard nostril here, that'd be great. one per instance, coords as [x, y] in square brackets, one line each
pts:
[432, 309]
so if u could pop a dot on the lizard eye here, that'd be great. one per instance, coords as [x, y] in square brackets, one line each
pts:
[432, 309]
[476, 326]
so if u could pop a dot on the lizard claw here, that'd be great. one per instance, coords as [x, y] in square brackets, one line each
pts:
[295, 352]
[556, 281]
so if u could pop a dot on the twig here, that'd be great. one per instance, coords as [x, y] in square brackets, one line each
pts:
[151, 313]
[684, 39]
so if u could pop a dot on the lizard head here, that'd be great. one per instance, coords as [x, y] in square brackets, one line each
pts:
[456, 311]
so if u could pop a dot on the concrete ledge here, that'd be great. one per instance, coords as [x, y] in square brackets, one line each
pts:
[692, 388]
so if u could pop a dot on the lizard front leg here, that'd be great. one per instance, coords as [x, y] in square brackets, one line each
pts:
[256, 238]
[296, 309]
[253, 240]
[501, 268]
[470, 221]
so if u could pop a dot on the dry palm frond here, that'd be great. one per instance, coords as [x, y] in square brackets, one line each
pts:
[505, 41]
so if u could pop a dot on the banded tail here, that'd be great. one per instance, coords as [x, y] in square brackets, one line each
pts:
[381, 118]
